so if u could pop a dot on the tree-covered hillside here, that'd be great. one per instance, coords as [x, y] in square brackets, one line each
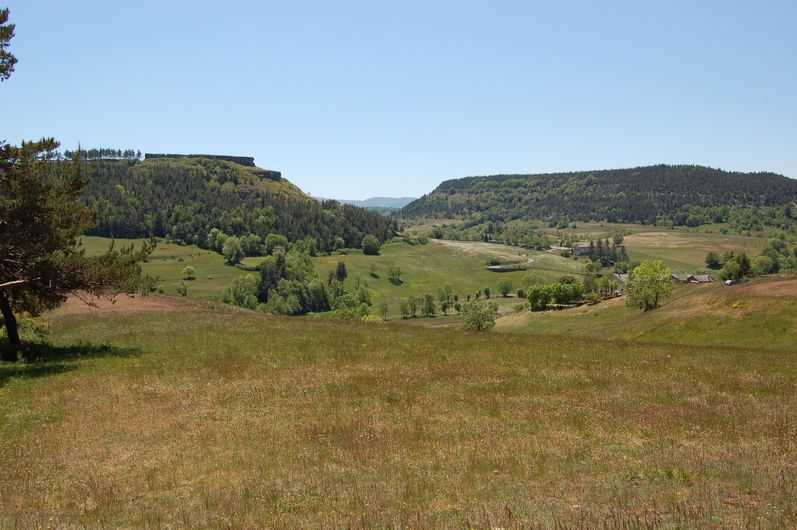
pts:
[184, 198]
[644, 194]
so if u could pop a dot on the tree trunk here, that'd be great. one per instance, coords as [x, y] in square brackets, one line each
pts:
[10, 322]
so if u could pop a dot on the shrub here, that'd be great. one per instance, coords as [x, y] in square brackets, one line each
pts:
[532, 279]
[763, 265]
[273, 241]
[394, 274]
[479, 315]
[539, 296]
[713, 260]
[370, 245]
[182, 289]
[232, 251]
[189, 273]
[282, 305]
[592, 298]
[349, 307]
[242, 292]
[504, 286]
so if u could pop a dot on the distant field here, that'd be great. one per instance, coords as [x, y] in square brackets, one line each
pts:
[682, 249]
[168, 261]
[686, 251]
[222, 418]
[425, 268]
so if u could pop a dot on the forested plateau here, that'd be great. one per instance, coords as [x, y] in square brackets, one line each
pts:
[185, 198]
[663, 194]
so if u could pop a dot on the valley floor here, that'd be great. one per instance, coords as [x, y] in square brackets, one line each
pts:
[214, 417]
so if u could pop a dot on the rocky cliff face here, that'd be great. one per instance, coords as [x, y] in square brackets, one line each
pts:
[247, 161]
[267, 174]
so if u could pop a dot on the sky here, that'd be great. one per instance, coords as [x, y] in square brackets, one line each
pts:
[357, 99]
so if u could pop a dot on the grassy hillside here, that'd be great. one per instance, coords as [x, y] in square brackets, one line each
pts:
[684, 195]
[168, 261]
[233, 419]
[425, 268]
[760, 314]
[686, 251]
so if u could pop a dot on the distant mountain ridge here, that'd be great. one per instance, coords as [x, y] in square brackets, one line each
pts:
[641, 194]
[377, 202]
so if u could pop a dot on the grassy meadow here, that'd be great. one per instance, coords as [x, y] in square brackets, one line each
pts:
[169, 259]
[686, 251]
[227, 418]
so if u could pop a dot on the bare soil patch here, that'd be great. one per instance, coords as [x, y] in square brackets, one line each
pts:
[135, 304]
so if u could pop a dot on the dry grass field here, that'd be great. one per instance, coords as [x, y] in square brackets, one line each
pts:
[230, 419]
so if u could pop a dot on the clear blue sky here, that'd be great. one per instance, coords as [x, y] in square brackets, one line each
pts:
[354, 99]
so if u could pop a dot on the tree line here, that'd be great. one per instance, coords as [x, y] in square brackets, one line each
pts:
[103, 153]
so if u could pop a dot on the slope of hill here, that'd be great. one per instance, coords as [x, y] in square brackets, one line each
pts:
[131, 418]
[758, 314]
[640, 194]
[184, 197]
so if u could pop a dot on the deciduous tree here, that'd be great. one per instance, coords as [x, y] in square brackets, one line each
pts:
[479, 315]
[648, 284]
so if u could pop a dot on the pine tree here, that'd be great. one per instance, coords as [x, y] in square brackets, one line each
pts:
[7, 61]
